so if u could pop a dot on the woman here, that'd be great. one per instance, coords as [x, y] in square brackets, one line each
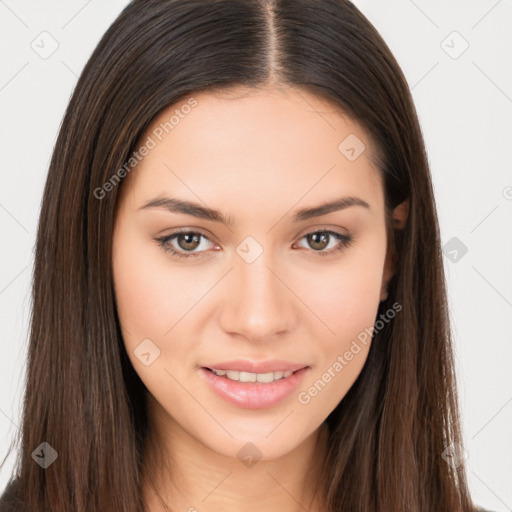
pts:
[297, 354]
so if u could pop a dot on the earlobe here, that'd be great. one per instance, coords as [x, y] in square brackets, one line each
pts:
[399, 220]
[400, 215]
[388, 273]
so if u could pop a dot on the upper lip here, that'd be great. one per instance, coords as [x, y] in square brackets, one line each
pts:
[267, 366]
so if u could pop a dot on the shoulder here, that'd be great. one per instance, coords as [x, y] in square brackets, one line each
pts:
[9, 497]
[9, 500]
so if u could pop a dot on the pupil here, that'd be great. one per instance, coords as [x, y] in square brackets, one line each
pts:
[315, 237]
[190, 238]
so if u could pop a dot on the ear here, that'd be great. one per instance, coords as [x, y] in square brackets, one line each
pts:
[398, 221]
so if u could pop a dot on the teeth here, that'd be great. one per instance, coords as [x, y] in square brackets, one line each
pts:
[252, 377]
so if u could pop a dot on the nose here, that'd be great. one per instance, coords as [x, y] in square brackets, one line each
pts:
[258, 303]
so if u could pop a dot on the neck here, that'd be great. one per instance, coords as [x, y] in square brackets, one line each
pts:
[187, 475]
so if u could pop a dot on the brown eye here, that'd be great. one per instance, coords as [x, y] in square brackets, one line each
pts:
[318, 240]
[182, 244]
[190, 241]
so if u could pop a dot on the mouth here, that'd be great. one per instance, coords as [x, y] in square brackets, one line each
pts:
[250, 390]
[241, 376]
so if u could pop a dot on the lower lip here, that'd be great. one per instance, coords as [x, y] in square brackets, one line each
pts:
[254, 395]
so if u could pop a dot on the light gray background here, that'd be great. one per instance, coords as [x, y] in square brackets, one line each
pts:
[464, 101]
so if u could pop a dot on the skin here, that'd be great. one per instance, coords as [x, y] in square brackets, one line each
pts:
[256, 156]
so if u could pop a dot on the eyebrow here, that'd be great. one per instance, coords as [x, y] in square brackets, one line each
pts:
[175, 205]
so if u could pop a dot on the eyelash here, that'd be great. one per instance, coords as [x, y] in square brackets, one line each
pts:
[163, 241]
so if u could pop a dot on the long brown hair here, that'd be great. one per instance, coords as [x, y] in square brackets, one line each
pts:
[389, 434]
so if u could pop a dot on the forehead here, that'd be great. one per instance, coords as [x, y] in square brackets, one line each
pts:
[258, 147]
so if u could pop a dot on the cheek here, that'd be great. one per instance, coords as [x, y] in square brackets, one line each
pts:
[345, 302]
[150, 302]
[153, 299]
[344, 297]
[151, 295]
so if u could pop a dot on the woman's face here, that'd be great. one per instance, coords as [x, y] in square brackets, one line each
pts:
[260, 288]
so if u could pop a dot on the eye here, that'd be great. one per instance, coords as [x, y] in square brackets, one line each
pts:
[319, 241]
[188, 241]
